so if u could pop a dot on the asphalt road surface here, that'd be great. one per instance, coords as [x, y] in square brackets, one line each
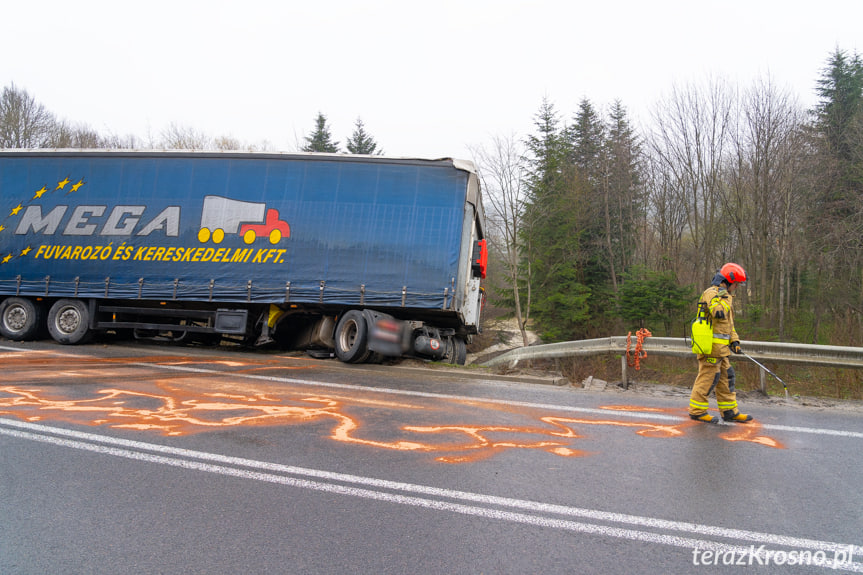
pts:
[151, 459]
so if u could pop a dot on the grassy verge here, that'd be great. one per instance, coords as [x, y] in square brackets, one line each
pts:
[827, 382]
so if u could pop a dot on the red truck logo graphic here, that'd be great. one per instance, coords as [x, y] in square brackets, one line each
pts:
[250, 220]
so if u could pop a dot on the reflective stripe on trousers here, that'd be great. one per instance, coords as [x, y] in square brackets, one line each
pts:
[714, 375]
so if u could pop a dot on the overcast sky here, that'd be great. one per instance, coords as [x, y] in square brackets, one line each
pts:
[428, 79]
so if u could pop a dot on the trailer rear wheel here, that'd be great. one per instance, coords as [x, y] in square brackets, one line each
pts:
[20, 318]
[456, 351]
[352, 338]
[69, 322]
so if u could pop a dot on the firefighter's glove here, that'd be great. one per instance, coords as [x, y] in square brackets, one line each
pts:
[719, 313]
[735, 347]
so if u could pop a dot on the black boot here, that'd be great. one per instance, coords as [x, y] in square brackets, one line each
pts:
[736, 417]
[705, 417]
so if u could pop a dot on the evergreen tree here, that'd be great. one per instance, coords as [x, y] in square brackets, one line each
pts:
[586, 139]
[840, 90]
[321, 140]
[650, 298]
[552, 231]
[838, 160]
[361, 142]
[624, 183]
[547, 151]
[835, 209]
[598, 217]
[581, 218]
[838, 122]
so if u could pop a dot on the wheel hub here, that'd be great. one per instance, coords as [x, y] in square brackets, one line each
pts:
[68, 320]
[15, 318]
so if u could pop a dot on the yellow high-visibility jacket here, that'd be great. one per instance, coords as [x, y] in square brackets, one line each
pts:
[717, 297]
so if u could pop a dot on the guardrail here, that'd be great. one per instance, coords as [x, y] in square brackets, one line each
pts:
[795, 353]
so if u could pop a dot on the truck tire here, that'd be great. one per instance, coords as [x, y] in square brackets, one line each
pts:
[69, 322]
[20, 319]
[352, 338]
[457, 351]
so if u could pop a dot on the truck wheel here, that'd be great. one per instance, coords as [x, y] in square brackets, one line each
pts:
[457, 351]
[20, 319]
[69, 322]
[352, 337]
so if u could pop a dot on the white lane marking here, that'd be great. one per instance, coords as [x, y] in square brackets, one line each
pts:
[837, 432]
[426, 394]
[167, 455]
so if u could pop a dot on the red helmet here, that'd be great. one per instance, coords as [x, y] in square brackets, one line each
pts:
[733, 273]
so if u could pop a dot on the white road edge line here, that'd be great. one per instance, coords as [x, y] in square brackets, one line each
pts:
[133, 450]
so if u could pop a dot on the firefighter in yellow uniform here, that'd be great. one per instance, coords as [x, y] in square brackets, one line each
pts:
[714, 371]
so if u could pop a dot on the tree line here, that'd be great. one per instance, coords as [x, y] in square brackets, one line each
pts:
[599, 227]
[26, 123]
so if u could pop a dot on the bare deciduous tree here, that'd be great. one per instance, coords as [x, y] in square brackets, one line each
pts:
[690, 141]
[227, 143]
[502, 176]
[665, 220]
[24, 123]
[65, 135]
[765, 188]
[177, 137]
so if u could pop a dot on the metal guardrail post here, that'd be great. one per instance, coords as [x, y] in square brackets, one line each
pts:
[624, 374]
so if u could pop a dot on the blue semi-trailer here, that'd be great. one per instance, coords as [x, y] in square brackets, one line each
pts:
[364, 256]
